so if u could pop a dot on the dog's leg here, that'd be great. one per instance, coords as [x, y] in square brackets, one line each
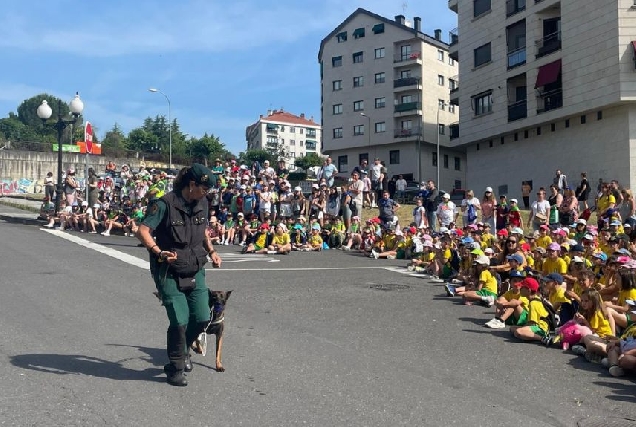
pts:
[219, 345]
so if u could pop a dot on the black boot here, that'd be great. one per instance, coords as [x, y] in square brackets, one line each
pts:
[187, 365]
[176, 353]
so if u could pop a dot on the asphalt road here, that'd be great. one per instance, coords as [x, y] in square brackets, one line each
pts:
[310, 340]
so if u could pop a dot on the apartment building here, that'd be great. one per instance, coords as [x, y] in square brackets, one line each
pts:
[546, 85]
[385, 93]
[285, 132]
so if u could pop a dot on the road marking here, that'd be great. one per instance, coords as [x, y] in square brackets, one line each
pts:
[105, 250]
[299, 268]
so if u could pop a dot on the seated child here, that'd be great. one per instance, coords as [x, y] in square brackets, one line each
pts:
[536, 329]
[486, 287]
[512, 308]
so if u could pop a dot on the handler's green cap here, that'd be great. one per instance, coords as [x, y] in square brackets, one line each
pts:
[201, 175]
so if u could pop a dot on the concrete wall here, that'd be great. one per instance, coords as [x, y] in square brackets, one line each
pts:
[34, 166]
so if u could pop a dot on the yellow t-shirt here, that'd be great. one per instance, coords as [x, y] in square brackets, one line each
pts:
[489, 281]
[558, 296]
[281, 240]
[427, 257]
[405, 243]
[604, 202]
[389, 242]
[530, 261]
[600, 325]
[487, 240]
[315, 240]
[554, 266]
[543, 241]
[625, 295]
[261, 240]
[536, 313]
[446, 255]
[512, 294]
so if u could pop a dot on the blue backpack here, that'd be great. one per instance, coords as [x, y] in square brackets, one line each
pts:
[471, 213]
[248, 204]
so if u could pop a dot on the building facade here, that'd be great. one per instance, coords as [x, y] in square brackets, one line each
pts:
[294, 136]
[385, 94]
[546, 85]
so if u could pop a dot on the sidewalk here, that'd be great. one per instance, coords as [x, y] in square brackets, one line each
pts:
[20, 210]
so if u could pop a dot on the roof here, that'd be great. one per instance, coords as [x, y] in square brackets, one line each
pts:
[280, 116]
[382, 19]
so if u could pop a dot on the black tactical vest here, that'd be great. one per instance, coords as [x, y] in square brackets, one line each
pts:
[184, 234]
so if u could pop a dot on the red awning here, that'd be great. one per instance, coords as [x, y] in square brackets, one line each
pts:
[549, 73]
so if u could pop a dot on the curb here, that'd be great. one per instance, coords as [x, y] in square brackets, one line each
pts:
[23, 221]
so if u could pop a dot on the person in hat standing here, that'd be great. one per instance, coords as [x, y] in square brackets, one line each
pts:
[177, 262]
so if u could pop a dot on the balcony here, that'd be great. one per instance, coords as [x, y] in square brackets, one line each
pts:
[311, 133]
[310, 145]
[550, 100]
[272, 128]
[516, 57]
[409, 58]
[453, 49]
[548, 44]
[452, 5]
[407, 133]
[515, 6]
[407, 83]
[408, 106]
[518, 110]
[454, 130]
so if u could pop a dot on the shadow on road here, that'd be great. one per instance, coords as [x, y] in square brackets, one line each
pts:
[623, 392]
[77, 364]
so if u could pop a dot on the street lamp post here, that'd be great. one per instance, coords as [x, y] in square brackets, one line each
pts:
[439, 108]
[368, 137]
[44, 112]
[153, 90]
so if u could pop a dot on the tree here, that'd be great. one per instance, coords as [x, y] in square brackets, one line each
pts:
[309, 160]
[142, 140]
[115, 142]
[250, 156]
[205, 148]
[27, 112]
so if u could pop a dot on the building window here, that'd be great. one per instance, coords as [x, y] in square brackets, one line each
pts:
[337, 109]
[567, 123]
[458, 184]
[502, 140]
[300, 143]
[451, 61]
[363, 156]
[380, 102]
[539, 131]
[599, 115]
[490, 143]
[358, 33]
[358, 57]
[342, 37]
[451, 108]
[379, 53]
[441, 104]
[358, 81]
[553, 127]
[445, 161]
[516, 137]
[358, 106]
[336, 61]
[302, 131]
[526, 134]
[482, 55]
[380, 77]
[394, 157]
[406, 124]
[440, 80]
[292, 142]
[358, 130]
[583, 119]
[452, 84]
[458, 164]
[380, 127]
[434, 159]
[292, 154]
[441, 129]
[337, 133]
[272, 140]
[337, 85]
[342, 163]
[378, 28]
[483, 104]
[292, 129]
[480, 7]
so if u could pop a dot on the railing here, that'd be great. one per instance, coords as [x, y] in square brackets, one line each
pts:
[515, 6]
[549, 44]
[454, 130]
[310, 146]
[518, 110]
[551, 100]
[272, 130]
[407, 81]
[311, 133]
[517, 57]
[407, 133]
[453, 36]
[408, 106]
[411, 56]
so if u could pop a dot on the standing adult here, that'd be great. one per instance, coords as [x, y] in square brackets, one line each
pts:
[446, 212]
[470, 207]
[329, 172]
[605, 205]
[49, 186]
[400, 186]
[555, 199]
[583, 190]
[560, 180]
[363, 168]
[93, 191]
[488, 205]
[281, 170]
[376, 182]
[431, 203]
[539, 211]
[177, 259]
[70, 186]
[526, 189]
[356, 188]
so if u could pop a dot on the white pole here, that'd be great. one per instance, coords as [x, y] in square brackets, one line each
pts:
[439, 184]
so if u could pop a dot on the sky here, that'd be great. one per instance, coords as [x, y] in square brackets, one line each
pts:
[221, 63]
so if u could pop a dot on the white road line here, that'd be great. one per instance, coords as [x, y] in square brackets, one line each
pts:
[299, 268]
[122, 256]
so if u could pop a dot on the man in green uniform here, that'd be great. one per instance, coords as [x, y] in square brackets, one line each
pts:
[177, 259]
[158, 188]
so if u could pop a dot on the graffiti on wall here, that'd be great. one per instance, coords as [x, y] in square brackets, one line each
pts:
[27, 186]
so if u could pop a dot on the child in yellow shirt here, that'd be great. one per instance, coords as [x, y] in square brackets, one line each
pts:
[512, 308]
[595, 316]
[486, 288]
[536, 329]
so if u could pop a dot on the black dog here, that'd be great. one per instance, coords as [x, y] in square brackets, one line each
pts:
[217, 301]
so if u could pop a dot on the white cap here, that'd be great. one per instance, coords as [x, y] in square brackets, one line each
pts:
[581, 221]
[298, 189]
[489, 251]
[488, 189]
[314, 186]
[578, 259]
[482, 260]
[84, 203]
[243, 187]
[446, 196]
[97, 206]
[513, 200]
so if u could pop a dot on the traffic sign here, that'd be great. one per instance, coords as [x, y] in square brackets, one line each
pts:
[88, 137]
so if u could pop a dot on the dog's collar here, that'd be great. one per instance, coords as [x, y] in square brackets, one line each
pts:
[217, 321]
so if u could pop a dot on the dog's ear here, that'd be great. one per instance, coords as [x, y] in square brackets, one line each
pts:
[227, 295]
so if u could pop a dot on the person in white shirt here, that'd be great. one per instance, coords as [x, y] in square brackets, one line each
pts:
[539, 211]
[473, 201]
[446, 211]
[419, 214]
[400, 187]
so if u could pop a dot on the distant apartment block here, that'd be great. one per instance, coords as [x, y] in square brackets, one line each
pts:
[385, 93]
[295, 135]
[545, 85]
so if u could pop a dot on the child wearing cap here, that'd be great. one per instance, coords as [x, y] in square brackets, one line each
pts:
[262, 240]
[486, 288]
[512, 307]
[554, 263]
[536, 328]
